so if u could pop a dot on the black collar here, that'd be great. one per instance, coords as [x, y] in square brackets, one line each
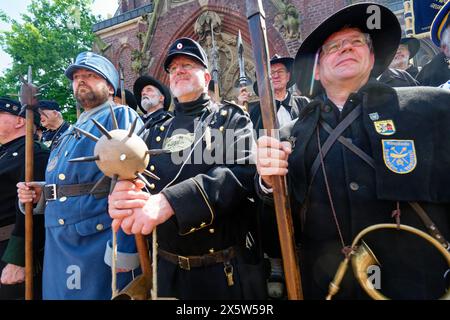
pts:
[192, 108]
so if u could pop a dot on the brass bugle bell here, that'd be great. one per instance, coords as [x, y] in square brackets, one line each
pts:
[138, 289]
[362, 258]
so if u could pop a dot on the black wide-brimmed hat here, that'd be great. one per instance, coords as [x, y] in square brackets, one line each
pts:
[413, 45]
[288, 62]
[130, 100]
[385, 37]
[143, 81]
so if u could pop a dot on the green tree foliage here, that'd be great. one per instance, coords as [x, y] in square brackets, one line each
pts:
[48, 38]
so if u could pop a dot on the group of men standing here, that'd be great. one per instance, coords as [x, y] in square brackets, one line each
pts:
[354, 150]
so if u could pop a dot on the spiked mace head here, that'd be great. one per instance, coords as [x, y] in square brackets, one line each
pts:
[119, 154]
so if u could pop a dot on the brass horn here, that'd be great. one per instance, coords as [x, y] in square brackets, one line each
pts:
[362, 258]
[138, 289]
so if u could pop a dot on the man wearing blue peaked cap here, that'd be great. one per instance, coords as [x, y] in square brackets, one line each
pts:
[78, 228]
[98, 64]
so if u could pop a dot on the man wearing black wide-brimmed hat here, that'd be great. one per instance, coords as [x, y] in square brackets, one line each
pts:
[153, 98]
[288, 105]
[363, 153]
[396, 75]
[406, 51]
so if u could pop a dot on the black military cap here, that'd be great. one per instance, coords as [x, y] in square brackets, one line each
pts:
[10, 106]
[413, 45]
[147, 80]
[187, 47]
[130, 100]
[15, 108]
[48, 105]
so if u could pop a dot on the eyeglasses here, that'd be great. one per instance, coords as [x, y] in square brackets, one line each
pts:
[356, 41]
[184, 66]
[279, 73]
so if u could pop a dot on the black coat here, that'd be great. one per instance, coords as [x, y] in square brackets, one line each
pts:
[12, 171]
[413, 71]
[269, 231]
[435, 72]
[363, 196]
[209, 196]
[397, 78]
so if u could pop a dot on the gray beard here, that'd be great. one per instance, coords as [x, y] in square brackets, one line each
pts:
[147, 103]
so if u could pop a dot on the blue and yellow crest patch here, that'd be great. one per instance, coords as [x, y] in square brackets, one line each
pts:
[385, 127]
[399, 155]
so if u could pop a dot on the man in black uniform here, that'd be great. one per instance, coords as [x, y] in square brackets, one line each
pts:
[406, 51]
[362, 152]
[12, 227]
[52, 120]
[437, 71]
[153, 99]
[288, 104]
[199, 205]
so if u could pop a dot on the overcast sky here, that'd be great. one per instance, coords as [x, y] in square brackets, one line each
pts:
[105, 8]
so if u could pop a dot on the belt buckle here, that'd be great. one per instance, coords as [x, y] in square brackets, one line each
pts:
[183, 263]
[52, 196]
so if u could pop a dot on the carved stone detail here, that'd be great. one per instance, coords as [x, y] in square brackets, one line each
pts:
[287, 21]
[228, 65]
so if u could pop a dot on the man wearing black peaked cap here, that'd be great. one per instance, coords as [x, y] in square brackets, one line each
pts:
[362, 154]
[12, 221]
[200, 206]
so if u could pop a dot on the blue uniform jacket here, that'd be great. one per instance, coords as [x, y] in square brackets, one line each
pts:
[78, 228]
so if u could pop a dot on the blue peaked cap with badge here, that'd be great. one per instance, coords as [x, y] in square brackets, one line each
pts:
[97, 63]
[187, 47]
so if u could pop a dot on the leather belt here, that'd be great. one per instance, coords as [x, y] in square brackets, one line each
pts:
[188, 262]
[54, 191]
[5, 232]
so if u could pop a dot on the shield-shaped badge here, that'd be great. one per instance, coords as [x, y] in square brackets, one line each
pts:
[178, 142]
[399, 155]
[385, 127]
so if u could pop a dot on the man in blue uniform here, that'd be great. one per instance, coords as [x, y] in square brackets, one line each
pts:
[12, 221]
[76, 220]
[52, 120]
[363, 154]
[205, 247]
